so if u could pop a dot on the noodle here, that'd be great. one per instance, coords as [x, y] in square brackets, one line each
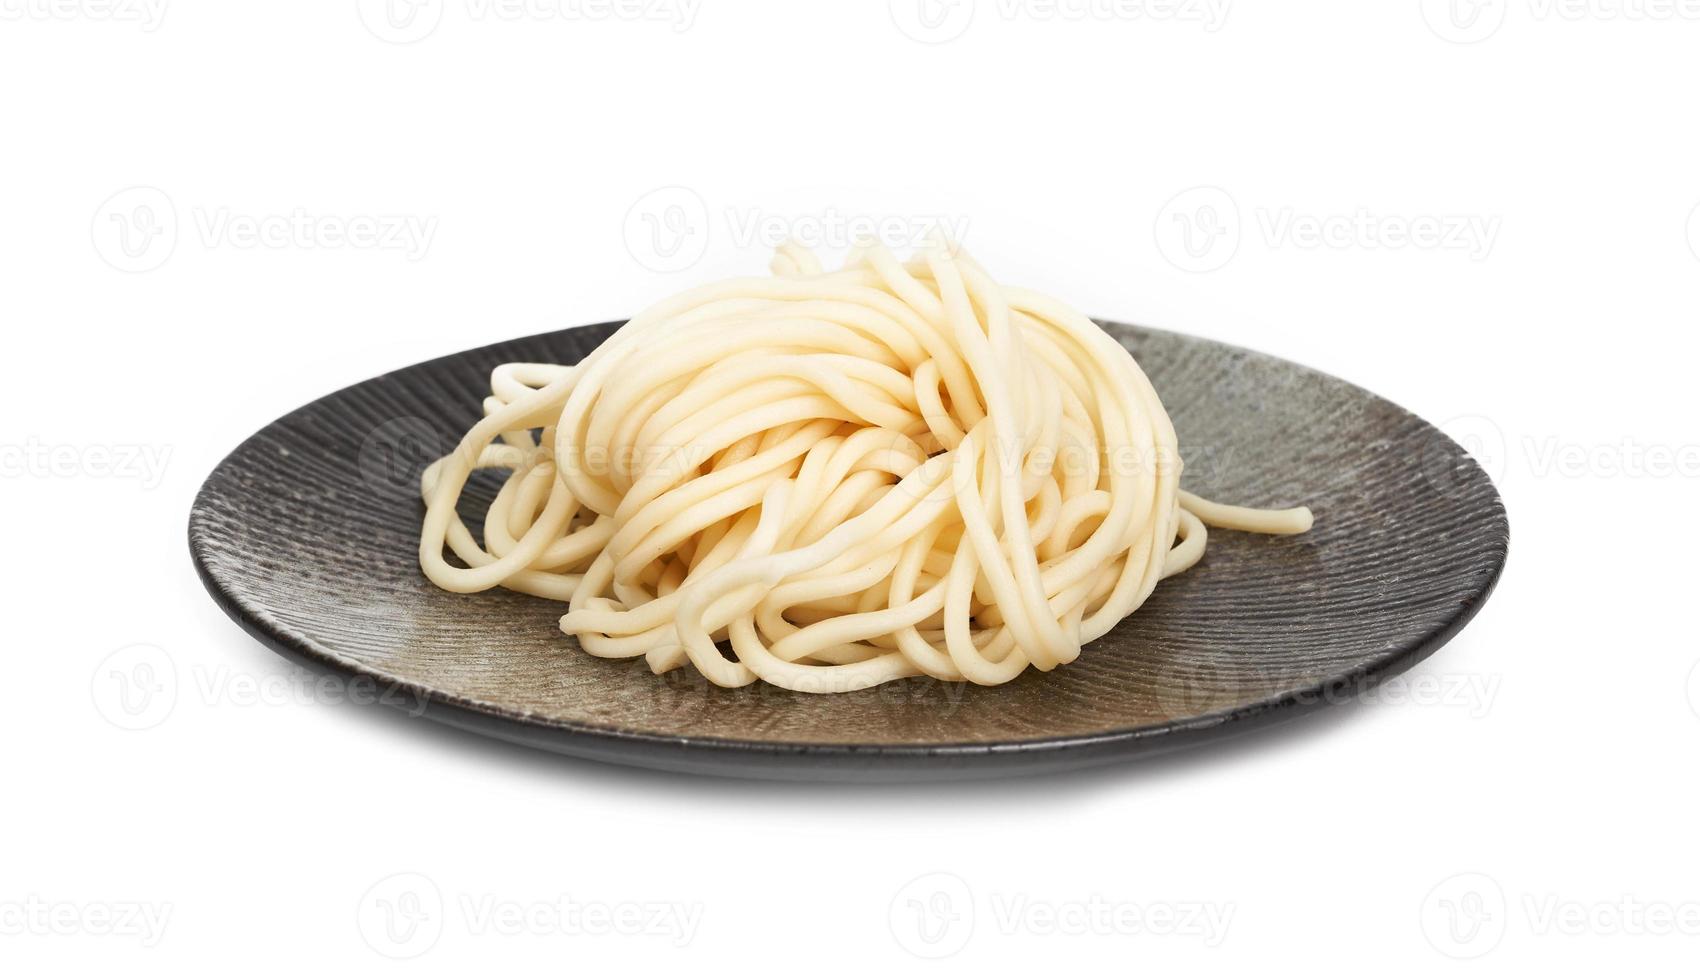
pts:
[848, 477]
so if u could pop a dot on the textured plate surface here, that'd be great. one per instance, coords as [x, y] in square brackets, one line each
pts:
[307, 535]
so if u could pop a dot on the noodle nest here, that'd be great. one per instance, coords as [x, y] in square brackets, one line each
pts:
[827, 480]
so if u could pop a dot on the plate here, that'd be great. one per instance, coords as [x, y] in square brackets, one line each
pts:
[307, 536]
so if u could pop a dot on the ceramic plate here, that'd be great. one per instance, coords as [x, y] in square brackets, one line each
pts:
[307, 536]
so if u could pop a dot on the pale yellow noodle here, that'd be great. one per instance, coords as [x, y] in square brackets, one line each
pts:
[845, 477]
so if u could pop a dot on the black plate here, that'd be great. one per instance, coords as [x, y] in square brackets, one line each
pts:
[307, 536]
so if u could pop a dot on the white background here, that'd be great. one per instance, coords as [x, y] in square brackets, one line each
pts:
[506, 160]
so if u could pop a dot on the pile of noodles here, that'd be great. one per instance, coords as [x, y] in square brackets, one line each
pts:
[830, 479]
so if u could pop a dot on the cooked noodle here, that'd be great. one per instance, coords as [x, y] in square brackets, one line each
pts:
[844, 478]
